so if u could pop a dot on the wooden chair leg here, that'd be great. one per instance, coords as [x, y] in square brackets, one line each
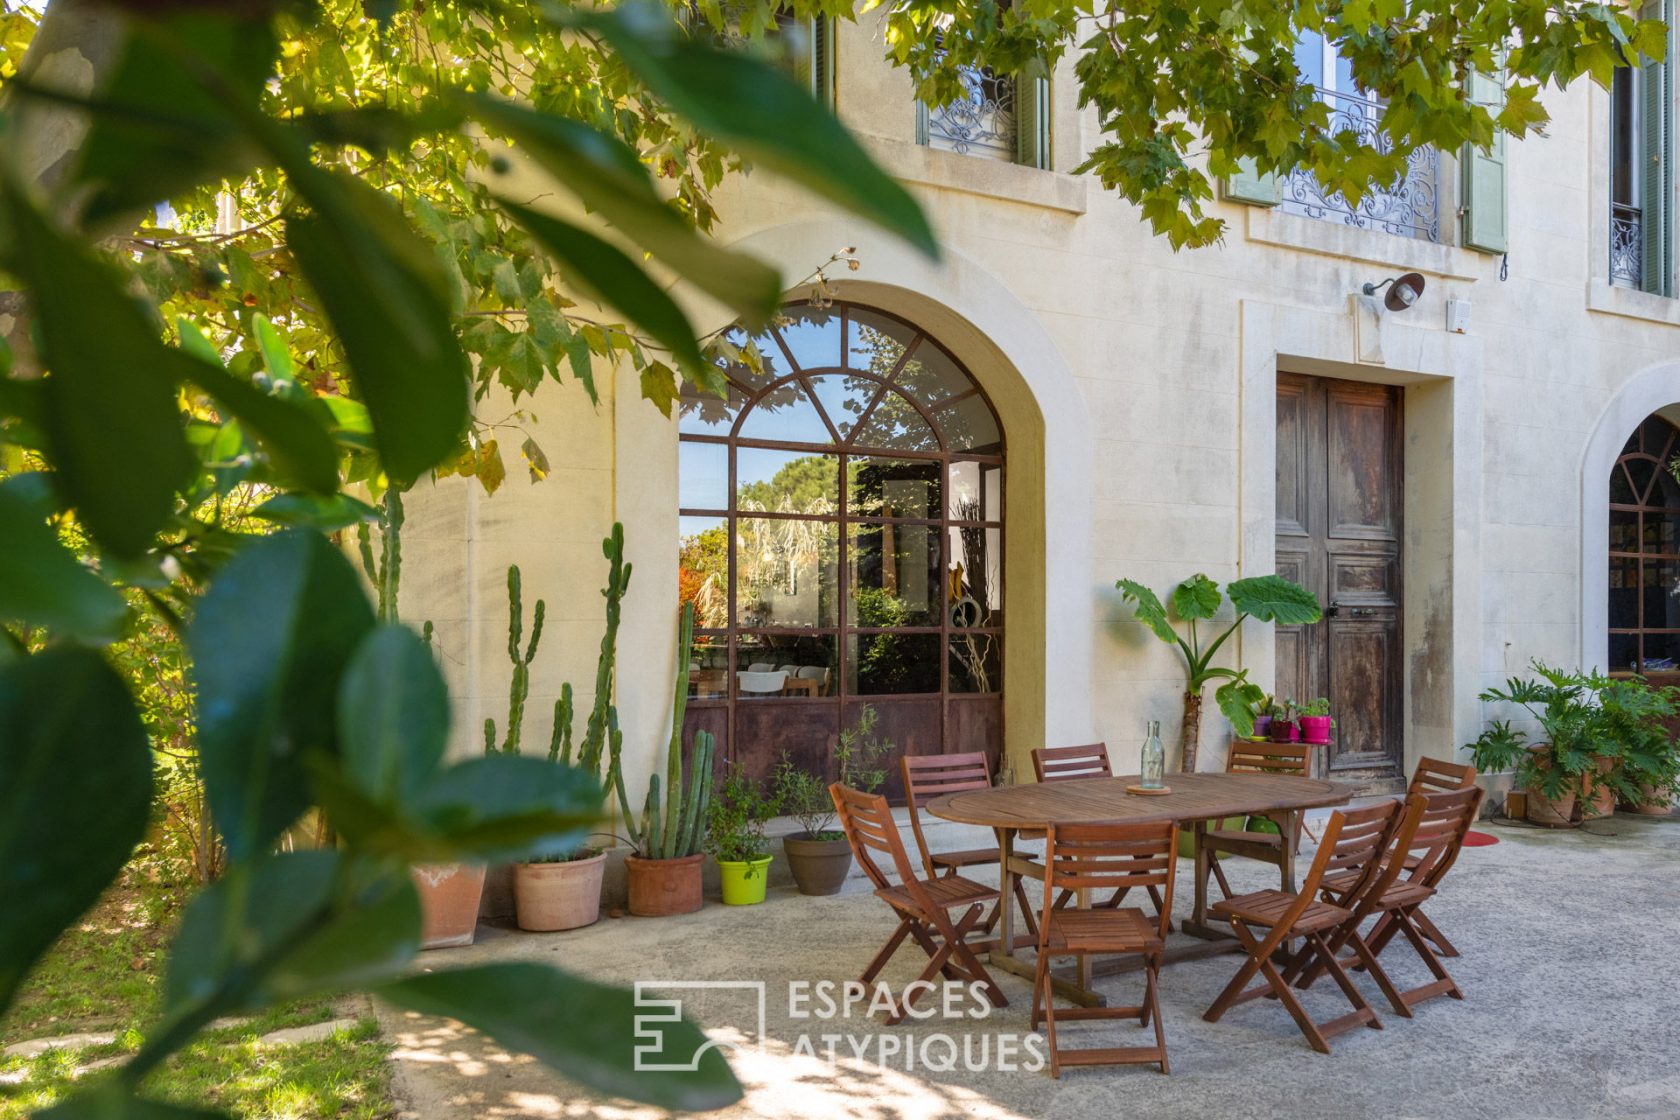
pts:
[1429, 930]
[1443, 983]
[930, 946]
[887, 950]
[969, 962]
[1368, 961]
[1152, 1008]
[1219, 874]
[1026, 912]
[1362, 1011]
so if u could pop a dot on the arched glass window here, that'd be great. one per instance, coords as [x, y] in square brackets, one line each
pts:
[1645, 553]
[842, 541]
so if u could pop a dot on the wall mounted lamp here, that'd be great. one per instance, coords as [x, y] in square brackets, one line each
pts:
[1403, 290]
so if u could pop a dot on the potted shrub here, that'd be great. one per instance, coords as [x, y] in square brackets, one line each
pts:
[1284, 729]
[1562, 773]
[735, 822]
[563, 891]
[664, 872]
[1645, 774]
[1315, 722]
[819, 855]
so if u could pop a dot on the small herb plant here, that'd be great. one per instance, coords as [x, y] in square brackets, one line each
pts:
[737, 817]
[1314, 708]
[859, 753]
[804, 797]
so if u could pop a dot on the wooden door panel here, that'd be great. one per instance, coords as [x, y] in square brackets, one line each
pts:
[1339, 533]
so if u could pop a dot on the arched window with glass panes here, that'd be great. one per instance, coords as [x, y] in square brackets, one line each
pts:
[841, 541]
[1645, 552]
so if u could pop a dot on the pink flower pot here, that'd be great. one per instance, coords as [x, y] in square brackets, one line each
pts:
[1315, 729]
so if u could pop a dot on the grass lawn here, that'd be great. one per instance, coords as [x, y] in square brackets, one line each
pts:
[103, 976]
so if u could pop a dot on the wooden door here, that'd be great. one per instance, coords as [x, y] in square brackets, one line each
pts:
[1338, 535]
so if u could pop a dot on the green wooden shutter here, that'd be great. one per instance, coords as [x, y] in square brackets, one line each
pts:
[1032, 121]
[1482, 188]
[1249, 186]
[822, 60]
[1656, 178]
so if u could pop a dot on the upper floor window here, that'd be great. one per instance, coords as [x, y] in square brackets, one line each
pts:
[1641, 173]
[1408, 207]
[1003, 117]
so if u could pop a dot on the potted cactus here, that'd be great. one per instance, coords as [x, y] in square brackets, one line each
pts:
[563, 890]
[1315, 722]
[664, 872]
[735, 837]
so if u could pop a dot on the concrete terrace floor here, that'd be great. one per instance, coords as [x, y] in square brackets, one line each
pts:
[1571, 965]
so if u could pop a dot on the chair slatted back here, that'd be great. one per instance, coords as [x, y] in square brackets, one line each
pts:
[1359, 847]
[927, 776]
[1114, 856]
[871, 830]
[1269, 758]
[1442, 825]
[1434, 776]
[1060, 764]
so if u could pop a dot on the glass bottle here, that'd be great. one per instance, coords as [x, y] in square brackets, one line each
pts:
[1154, 767]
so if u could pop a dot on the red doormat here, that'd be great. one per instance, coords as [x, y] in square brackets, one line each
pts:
[1479, 839]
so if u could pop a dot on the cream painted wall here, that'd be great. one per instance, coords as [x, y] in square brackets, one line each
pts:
[1136, 389]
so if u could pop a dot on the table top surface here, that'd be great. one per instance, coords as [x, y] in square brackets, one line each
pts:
[1085, 800]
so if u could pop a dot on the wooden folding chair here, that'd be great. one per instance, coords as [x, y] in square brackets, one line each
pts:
[1061, 764]
[923, 905]
[1084, 857]
[1435, 776]
[1282, 917]
[1443, 819]
[1267, 847]
[934, 775]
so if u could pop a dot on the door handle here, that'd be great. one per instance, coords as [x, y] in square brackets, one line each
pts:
[1332, 610]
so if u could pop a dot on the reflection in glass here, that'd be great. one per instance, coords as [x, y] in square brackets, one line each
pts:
[975, 493]
[976, 571]
[1662, 652]
[976, 663]
[813, 338]
[708, 667]
[1621, 491]
[1661, 595]
[757, 360]
[1624, 531]
[876, 343]
[703, 570]
[883, 664]
[807, 662]
[880, 487]
[844, 398]
[786, 481]
[931, 374]
[1642, 471]
[1666, 492]
[702, 475]
[1623, 647]
[702, 414]
[1662, 531]
[969, 425]
[893, 575]
[898, 425]
[785, 572]
[786, 415]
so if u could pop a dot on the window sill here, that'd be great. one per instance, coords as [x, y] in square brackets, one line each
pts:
[1608, 299]
[1331, 239]
[1010, 182]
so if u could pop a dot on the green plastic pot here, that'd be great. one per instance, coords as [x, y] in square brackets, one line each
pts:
[1187, 838]
[744, 883]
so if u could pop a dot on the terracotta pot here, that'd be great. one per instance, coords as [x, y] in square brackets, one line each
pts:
[562, 895]
[1603, 803]
[1285, 731]
[818, 866]
[1315, 729]
[449, 897]
[664, 886]
[1652, 803]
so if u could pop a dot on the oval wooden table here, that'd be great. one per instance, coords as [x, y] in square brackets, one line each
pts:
[1195, 800]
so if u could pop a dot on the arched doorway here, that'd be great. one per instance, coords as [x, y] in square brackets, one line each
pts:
[1643, 598]
[841, 536]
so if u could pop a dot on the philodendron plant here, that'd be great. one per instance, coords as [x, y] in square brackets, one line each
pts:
[1197, 600]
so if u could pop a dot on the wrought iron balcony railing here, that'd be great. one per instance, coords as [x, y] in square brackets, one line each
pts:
[1627, 268]
[979, 123]
[1409, 207]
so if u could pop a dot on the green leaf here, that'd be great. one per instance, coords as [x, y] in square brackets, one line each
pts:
[269, 641]
[290, 925]
[760, 111]
[291, 433]
[587, 1031]
[276, 358]
[393, 714]
[535, 459]
[75, 795]
[1149, 609]
[310, 511]
[109, 410]
[111, 1101]
[1274, 599]
[1237, 698]
[602, 272]
[607, 177]
[41, 581]
[1196, 597]
[388, 301]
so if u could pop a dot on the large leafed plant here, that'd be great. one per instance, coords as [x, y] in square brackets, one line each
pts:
[1198, 600]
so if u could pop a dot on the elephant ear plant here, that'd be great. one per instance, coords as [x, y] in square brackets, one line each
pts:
[1198, 600]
